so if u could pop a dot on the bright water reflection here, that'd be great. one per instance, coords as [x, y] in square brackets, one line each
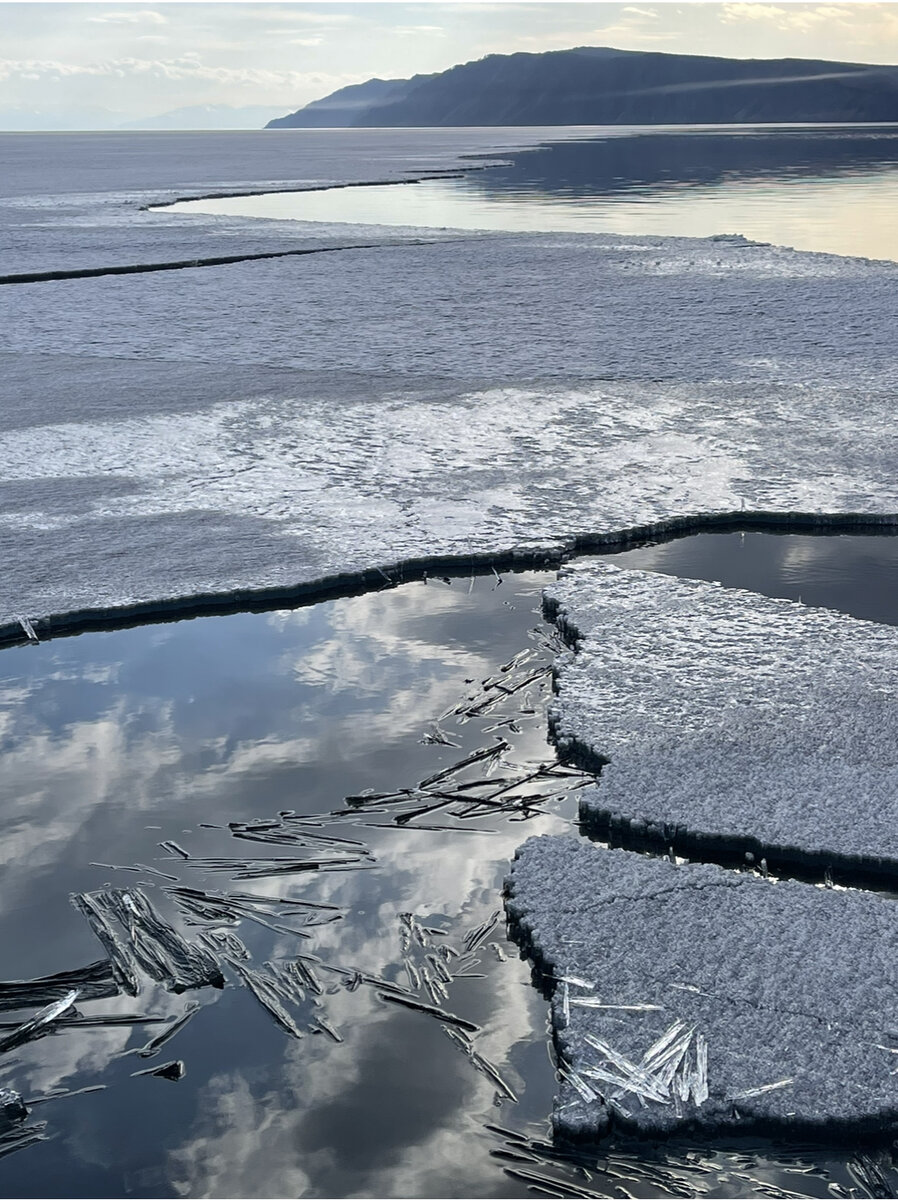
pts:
[825, 188]
[853, 575]
[112, 743]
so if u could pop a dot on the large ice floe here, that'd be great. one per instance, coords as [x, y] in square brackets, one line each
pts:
[732, 722]
[688, 998]
[278, 423]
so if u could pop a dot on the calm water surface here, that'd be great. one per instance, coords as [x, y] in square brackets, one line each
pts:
[825, 188]
[115, 742]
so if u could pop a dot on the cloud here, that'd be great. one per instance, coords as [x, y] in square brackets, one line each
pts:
[854, 24]
[142, 16]
[799, 16]
[420, 30]
[186, 67]
[645, 14]
[289, 16]
[606, 35]
[305, 41]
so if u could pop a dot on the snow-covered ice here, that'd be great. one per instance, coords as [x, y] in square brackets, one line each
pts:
[274, 423]
[777, 998]
[76, 201]
[730, 719]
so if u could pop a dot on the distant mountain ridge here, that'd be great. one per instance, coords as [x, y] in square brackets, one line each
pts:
[206, 116]
[603, 86]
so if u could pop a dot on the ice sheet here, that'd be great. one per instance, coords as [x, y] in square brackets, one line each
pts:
[789, 986]
[275, 423]
[731, 720]
[78, 200]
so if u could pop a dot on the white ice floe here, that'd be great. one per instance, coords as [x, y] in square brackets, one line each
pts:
[783, 1023]
[731, 716]
[302, 418]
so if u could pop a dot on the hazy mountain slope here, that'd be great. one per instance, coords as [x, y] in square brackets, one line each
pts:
[598, 86]
[206, 116]
[343, 107]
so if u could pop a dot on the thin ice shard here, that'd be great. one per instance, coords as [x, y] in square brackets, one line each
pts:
[145, 942]
[659, 1048]
[767, 1087]
[18, 1137]
[94, 982]
[594, 1002]
[625, 1083]
[259, 868]
[173, 1071]
[174, 848]
[484, 755]
[27, 628]
[699, 1078]
[575, 1080]
[475, 936]
[635, 1075]
[39, 1023]
[431, 1010]
[155, 1044]
[266, 990]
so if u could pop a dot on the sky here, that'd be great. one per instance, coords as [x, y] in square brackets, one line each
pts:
[83, 65]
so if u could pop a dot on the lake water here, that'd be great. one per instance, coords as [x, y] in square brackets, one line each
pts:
[823, 188]
[211, 733]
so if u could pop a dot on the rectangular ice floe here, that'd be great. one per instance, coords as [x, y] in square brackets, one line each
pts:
[732, 722]
[733, 1004]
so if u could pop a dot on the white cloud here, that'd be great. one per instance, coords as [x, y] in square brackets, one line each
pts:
[143, 16]
[645, 14]
[289, 16]
[420, 30]
[852, 24]
[607, 35]
[798, 16]
[186, 67]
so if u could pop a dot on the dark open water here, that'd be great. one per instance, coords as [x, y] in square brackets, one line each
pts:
[113, 743]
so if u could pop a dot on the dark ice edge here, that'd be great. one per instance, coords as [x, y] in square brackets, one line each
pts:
[218, 260]
[409, 570]
[424, 177]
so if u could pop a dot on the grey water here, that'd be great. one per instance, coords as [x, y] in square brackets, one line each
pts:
[113, 743]
[830, 188]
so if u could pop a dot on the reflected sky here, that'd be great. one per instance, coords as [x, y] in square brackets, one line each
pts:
[852, 574]
[826, 188]
[114, 742]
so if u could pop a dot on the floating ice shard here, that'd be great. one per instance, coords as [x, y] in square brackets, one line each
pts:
[39, 1023]
[139, 941]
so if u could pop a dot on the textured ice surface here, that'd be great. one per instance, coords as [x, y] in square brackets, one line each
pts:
[730, 717]
[70, 201]
[276, 422]
[787, 984]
